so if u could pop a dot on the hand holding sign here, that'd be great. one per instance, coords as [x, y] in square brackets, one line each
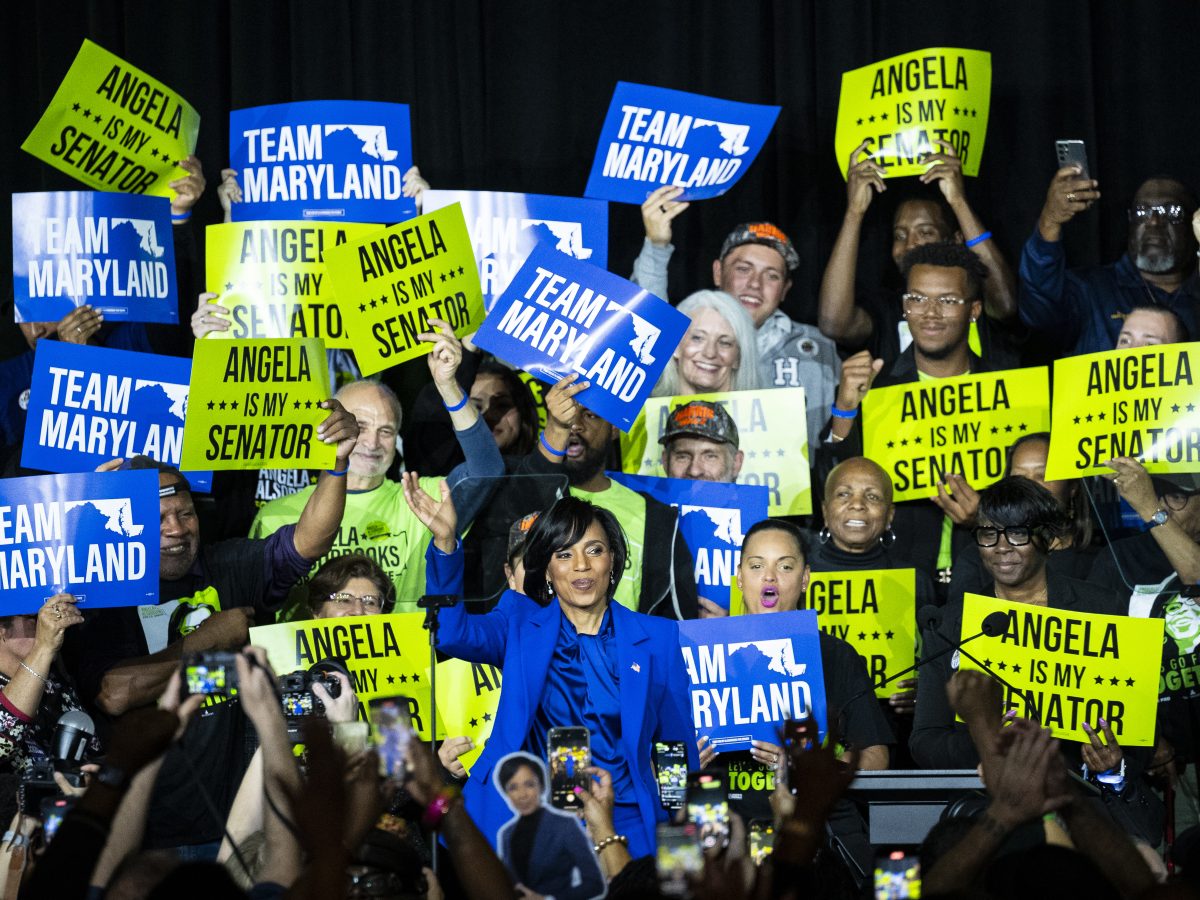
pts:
[1133, 483]
[957, 499]
[189, 188]
[1101, 755]
[444, 359]
[1070, 192]
[229, 192]
[80, 325]
[57, 614]
[659, 210]
[946, 170]
[562, 408]
[209, 316]
[340, 428]
[864, 180]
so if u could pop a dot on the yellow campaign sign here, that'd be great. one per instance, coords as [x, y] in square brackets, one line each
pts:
[393, 282]
[468, 694]
[875, 612]
[115, 128]
[387, 656]
[1072, 667]
[1140, 402]
[773, 438]
[903, 104]
[924, 431]
[271, 278]
[256, 405]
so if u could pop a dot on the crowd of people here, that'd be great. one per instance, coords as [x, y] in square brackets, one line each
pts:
[488, 489]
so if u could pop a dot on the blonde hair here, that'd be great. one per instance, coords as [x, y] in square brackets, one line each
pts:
[745, 376]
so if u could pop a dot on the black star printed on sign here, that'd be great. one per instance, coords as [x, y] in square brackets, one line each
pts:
[1191, 407]
[1077, 420]
[883, 116]
[859, 122]
[781, 453]
[987, 663]
[874, 635]
[862, 635]
[1129, 682]
[995, 429]
[443, 277]
[871, 119]
[233, 404]
[212, 404]
[75, 108]
[1101, 417]
[374, 303]
[1016, 668]
[460, 270]
[1002, 666]
[296, 404]
[391, 679]
[308, 404]
[221, 404]
[1114, 681]
[903, 442]
[891, 444]
[154, 151]
[416, 678]
[1174, 407]
[487, 717]
[916, 440]
[403, 679]
[956, 111]
[1008, 429]
[889, 634]
[474, 723]
[97, 119]
[1099, 679]
[229, 285]
[1088, 417]
[362, 307]
[87, 113]
[1023, 427]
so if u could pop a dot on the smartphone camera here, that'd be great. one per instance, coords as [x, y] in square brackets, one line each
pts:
[897, 876]
[391, 724]
[670, 770]
[569, 752]
[678, 857]
[211, 672]
[708, 808]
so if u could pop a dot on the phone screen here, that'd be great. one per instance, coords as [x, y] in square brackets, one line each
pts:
[202, 679]
[708, 808]
[670, 765]
[392, 728]
[53, 810]
[569, 752]
[678, 856]
[797, 733]
[762, 840]
[897, 875]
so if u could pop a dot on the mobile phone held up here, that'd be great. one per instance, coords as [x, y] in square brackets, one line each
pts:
[391, 727]
[678, 857]
[897, 876]
[210, 672]
[569, 752]
[708, 808]
[670, 771]
[1073, 153]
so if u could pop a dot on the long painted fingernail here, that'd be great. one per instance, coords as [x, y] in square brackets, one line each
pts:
[578, 791]
[1103, 724]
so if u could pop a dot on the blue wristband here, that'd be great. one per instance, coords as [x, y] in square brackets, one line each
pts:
[842, 413]
[181, 217]
[979, 239]
[461, 403]
[341, 474]
[548, 448]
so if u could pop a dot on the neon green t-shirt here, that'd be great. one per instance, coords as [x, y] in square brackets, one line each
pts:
[630, 509]
[377, 523]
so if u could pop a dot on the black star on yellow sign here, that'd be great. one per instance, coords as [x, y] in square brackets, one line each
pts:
[474, 723]
[212, 404]
[1099, 679]
[1114, 681]
[487, 717]
[1129, 682]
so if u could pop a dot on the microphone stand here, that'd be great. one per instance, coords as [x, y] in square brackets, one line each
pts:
[431, 603]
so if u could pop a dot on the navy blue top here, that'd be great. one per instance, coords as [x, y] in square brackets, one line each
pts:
[583, 687]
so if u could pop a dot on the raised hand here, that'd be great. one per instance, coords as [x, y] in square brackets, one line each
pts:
[945, 168]
[957, 499]
[439, 516]
[80, 325]
[864, 179]
[209, 316]
[1069, 194]
[340, 428]
[189, 188]
[659, 210]
[229, 192]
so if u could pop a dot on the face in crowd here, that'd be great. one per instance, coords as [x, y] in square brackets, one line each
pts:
[587, 447]
[919, 222]
[1147, 328]
[524, 790]
[357, 597]
[700, 459]
[179, 531]
[1160, 227]
[757, 276]
[858, 505]
[498, 408]
[772, 574]
[709, 355]
[1015, 558]
[580, 575]
[378, 424]
[1029, 461]
[940, 329]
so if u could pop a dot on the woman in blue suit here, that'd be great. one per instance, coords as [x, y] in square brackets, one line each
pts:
[570, 657]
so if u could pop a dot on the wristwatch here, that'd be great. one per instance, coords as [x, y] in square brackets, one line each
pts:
[113, 776]
[1159, 518]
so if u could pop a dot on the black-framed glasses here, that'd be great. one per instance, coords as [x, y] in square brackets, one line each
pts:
[1016, 535]
[1169, 212]
[369, 602]
[945, 303]
[1175, 502]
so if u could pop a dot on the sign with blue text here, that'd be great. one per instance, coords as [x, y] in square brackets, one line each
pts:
[751, 673]
[114, 251]
[560, 315]
[88, 405]
[654, 136]
[504, 227]
[322, 159]
[713, 519]
[94, 535]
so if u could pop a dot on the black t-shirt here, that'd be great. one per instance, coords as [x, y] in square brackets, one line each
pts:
[970, 577]
[215, 749]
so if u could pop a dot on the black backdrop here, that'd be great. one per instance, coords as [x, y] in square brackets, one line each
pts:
[511, 95]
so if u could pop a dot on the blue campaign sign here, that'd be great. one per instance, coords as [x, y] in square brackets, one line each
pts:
[654, 136]
[93, 535]
[560, 315]
[114, 251]
[751, 673]
[88, 405]
[339, 160]
[504, 227]
[713, 519]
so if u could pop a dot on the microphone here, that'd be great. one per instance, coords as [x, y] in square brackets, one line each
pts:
[71, 735]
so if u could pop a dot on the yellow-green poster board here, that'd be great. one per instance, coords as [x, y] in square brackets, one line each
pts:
[902, 105]
[391, 283]
[114, 128]
[924, 431]
[1072, 667]
[387, 655]
[874, 612]
[271, 277]
[256, 405]
[468, 695]
[772, 434]
[1140, 402]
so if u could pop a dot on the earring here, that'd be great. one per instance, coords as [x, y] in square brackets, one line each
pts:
[888, 537]
[612, 577]
[824, 536]
[549, 588]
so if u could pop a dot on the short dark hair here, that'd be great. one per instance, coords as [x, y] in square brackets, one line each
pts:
[920, 193]
[563, 525]
[514, 764]
[779, 525]
[1016, 501]
[1181, 327]
[523, 402]
[1078, 510]
[340, 571]
[948, 255]
[1189, 195]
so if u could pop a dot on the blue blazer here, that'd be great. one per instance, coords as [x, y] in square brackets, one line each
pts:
[562, 865]
[519, 636]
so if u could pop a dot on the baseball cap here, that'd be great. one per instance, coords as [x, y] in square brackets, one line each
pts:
[703, 419]
[1185, 483]
[766, 234]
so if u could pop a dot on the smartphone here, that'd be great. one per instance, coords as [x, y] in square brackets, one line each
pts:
[897, 875]
[392, 729]
[1072, 153]
[708, 808]
[678, 857]
[762, 839]
[53, 810]
[800, 733]
[352, 737]
[211, 672]
[569, 751]
[670, 768]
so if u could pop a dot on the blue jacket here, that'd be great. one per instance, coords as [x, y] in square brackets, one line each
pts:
[519, 636]
[562, 865]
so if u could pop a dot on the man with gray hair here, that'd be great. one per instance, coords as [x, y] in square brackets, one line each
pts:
[701, 442]
[377, 521]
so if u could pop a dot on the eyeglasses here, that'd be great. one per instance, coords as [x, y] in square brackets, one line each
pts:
[1171, 212]
[1175, 502]
[368, 602]
[945, 303]
[1016, 535]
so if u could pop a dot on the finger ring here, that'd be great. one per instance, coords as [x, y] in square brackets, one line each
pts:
[79, 328]
[663, 208]
[1071, 197]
